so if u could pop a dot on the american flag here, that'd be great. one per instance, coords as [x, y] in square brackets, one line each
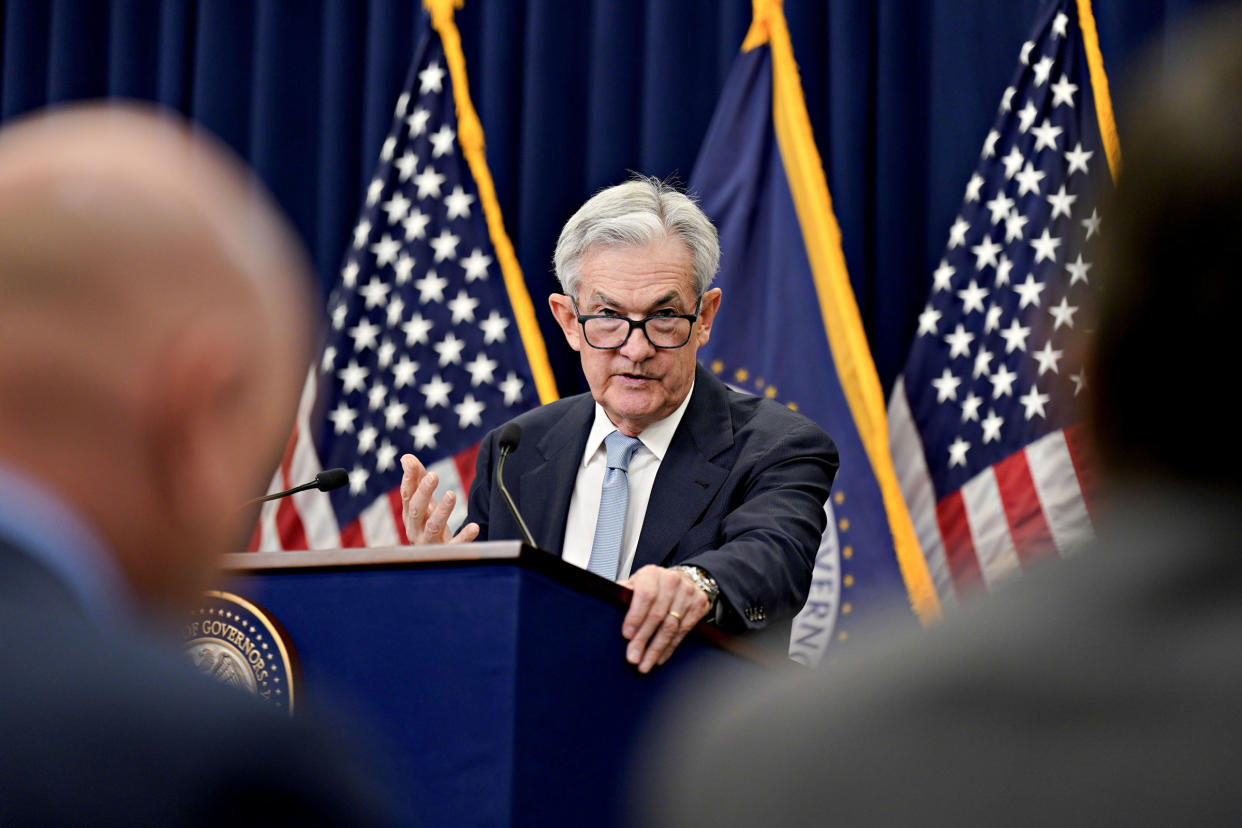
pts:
[984, 422]
[423, 353]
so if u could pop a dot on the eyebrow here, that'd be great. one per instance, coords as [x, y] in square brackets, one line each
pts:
[672, 297]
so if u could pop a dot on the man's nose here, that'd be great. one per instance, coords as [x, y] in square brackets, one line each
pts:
[636, 346]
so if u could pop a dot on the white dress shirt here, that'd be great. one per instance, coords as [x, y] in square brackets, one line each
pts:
[584, 504]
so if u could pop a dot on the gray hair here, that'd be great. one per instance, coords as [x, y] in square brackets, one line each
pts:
[642, 211]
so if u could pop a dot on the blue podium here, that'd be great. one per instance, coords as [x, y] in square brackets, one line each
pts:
[494, 673]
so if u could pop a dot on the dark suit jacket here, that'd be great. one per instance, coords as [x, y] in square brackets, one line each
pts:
[740, 493]
[100, 726]
[1103, 690]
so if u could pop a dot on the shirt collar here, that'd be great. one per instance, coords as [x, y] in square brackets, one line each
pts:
[46, 528]
[656, 437]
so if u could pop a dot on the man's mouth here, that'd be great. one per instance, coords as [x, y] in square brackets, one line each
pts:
[634, 378]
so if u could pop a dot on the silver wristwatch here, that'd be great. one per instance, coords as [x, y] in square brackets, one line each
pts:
[704, 582]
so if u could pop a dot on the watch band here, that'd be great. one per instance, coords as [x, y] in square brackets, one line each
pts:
[703, 581]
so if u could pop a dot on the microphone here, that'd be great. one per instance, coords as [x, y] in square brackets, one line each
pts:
[325, 481]
[510, 436]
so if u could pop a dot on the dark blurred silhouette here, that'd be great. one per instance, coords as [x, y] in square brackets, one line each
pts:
[1104, 689]
[153, 335]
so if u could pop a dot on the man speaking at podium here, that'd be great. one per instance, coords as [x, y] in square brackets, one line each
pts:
[699, 498]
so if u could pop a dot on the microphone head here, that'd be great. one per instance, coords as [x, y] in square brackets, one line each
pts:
[510, 436]
[330, 479]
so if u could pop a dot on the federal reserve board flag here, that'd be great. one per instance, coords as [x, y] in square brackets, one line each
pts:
[788, 329]
[432, 339]
[983, 421]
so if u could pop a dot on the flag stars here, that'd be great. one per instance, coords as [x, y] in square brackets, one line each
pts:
[959, 342]
[365, 334]
[1063, 314]
[1045, 247]
[449, 349]
[970, 407]
[929, 319]
[463, 307]
[1015, 226]
[431, 288]
[436, 392]
[985, 253]
[1026, 116]
[469, 412]
[349, 274]
[416, 330]
[416, 225]
[957, 452]
[385, 353]
[374, 191]
[376, 396]
[396, 207]
[362, 232]
[983, 363]
[1000, 206]
[388, 148]
[366, 439]
[1092, 223]
[1058, 24]
[512, 388]
[457, 203]
[1033, 402]
[992, 427]
[1013, 162]
[481, 370]
[386, 457]
[973, 187]
[1015, 336]
[396, 307]
[1025, 54]
[972, 297]
[342, 418]
[406, 166]
[403, 269]
[424, 433]
[1077, 270]
[375, 292]
[1003, 269]
[1002, 382]
[1080, 382]
[445, 245]
[493, 328]
[339, 314]
[403, 372]
[1047, 358]
[957, 233]
[475, 265]
[991, 319]
[358, 480]
[946, 386]
[989, 144]
[1063, 92]
[1077, 159]
[1042, 68]
[431, 79]
[329, 359]
[417, 121]
[942, 276]
[1028, 180]
[442, 141]
[1061, 202]
[1046, 135]
[1007, 99]
[394, 414]
[385, 250]
[1029, 291]
[429, 183]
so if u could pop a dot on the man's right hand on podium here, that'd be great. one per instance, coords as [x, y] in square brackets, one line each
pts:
[425, 520]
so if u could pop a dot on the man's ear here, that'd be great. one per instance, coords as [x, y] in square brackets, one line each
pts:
[707, 315]
[567, 317]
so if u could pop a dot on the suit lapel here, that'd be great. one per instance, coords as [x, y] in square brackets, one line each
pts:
[687, 480]
[550, 485]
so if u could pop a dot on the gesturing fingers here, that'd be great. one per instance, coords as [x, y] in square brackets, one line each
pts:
[665, 606]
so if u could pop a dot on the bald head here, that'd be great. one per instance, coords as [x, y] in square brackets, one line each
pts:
[153, 332]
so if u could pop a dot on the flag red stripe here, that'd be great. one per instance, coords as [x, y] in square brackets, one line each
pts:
[1032, 537]
[394, 501]
[465, 467]
[351, 536]
[255, 537]
[1079, 443]
[289, 525]
[959, 549]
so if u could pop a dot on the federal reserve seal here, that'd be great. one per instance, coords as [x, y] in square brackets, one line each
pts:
[234, 642]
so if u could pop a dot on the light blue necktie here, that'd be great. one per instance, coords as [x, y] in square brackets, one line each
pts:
[615, 496]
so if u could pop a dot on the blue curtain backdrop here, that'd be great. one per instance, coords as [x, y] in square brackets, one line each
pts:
[571, 96]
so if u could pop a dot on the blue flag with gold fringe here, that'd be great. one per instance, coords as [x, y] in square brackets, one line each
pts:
[789, 329]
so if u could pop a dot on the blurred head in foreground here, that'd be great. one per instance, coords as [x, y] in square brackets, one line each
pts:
[153, 327]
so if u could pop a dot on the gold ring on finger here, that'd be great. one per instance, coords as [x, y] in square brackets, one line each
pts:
[675, 614]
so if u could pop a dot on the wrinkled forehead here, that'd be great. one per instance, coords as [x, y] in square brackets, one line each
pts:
[641, 275]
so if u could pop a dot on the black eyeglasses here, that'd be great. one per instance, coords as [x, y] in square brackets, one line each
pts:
[666, 331]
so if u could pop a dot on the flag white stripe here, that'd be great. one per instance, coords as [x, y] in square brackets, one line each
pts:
[450, 480]
[378, 526]
[269, 536]
[916, 487]
[989, 528]
[1060, 494]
